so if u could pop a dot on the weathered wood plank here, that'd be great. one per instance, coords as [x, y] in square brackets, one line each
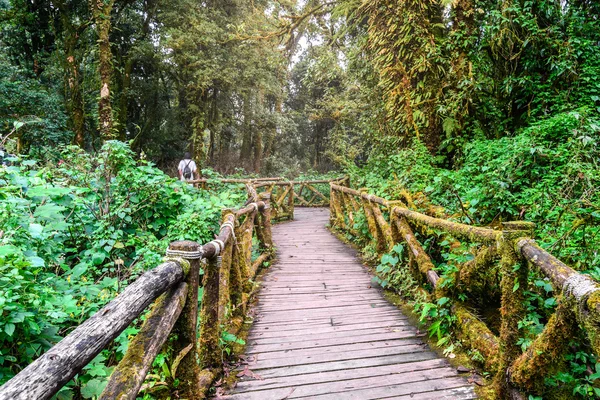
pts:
[334, 376]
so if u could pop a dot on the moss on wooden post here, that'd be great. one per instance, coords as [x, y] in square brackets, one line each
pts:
[473, 332]
[337, 218]
[186, 327]
[386, 241]
[291, 201]
[514, 271]
[370, 219]
[530, 369]
[225, 270]
[265, 221]
[349, 209]
[209, 352]
[129, 375]
[237, 278]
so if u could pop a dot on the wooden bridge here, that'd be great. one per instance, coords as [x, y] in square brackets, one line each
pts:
[321, 330]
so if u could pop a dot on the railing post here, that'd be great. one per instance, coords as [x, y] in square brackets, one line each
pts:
[226, 263]
[337, 217]
[265, 221]
[186, 327]
[514, 272]
[209, 329]
[372, 224]
[291, 201]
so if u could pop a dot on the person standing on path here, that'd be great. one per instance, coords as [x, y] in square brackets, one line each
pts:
[187, 168]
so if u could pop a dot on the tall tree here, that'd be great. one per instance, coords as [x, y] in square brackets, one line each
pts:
[101, 12]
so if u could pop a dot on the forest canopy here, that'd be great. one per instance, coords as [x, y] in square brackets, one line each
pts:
[270, 86]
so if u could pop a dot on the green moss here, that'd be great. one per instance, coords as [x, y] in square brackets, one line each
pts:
[530, 369]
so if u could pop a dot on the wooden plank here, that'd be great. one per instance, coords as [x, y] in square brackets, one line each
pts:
[322, 328]
[366, 388]
[343, 365]
[266, 332]
[342, 335]
[337, 356]
[314, 343]
[338, 348]
[334, 376]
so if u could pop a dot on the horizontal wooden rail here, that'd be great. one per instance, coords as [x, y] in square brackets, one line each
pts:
[514, 251]
[46, 375]
[234, 180]
[227, 282]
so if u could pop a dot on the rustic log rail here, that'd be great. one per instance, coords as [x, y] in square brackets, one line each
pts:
[172, 287]
[513, 250]
[285, 194]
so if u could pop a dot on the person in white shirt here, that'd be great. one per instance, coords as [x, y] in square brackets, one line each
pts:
[187, 168]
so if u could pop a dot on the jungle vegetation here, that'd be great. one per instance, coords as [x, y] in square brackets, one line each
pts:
[489, 109]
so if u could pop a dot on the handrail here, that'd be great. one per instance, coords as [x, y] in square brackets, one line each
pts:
[512, 247]
[304, 193]
[173, 287]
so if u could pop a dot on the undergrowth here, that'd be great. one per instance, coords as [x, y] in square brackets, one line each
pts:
[548, 174]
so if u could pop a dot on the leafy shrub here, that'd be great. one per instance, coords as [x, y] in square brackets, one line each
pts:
[73, 235]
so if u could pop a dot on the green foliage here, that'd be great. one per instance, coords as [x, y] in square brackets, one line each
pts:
[73, 235]
[36, 109]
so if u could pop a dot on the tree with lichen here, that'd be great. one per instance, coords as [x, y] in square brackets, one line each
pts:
[101, 12]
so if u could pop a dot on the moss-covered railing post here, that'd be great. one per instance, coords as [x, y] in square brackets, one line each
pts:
[228, 221]
[265, 237]
[186, 328]
[370, 218]
[291, 201]
[336, 218]
[208, 347]
[514, 271]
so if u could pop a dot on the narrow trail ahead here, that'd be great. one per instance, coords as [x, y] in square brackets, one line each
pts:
[322, 331]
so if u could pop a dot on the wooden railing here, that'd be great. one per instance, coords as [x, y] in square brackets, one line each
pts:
[514, 252]
[172, 288]
[305, 193]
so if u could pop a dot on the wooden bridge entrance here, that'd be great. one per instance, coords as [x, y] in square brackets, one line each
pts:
[322, 331]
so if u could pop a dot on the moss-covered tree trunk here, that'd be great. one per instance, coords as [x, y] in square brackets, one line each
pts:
[101, 11]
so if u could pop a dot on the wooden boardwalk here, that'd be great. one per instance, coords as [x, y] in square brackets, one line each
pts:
[322, 332]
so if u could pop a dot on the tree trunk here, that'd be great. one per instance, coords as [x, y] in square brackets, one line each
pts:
[124, 98]
[101, 11]
[75, 97]
[246, 150]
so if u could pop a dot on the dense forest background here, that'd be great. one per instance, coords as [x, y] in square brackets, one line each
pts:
[271, 86]
[490, 109]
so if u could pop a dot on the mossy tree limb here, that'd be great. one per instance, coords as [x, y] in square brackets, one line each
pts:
[416, 251]
[479, 274]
